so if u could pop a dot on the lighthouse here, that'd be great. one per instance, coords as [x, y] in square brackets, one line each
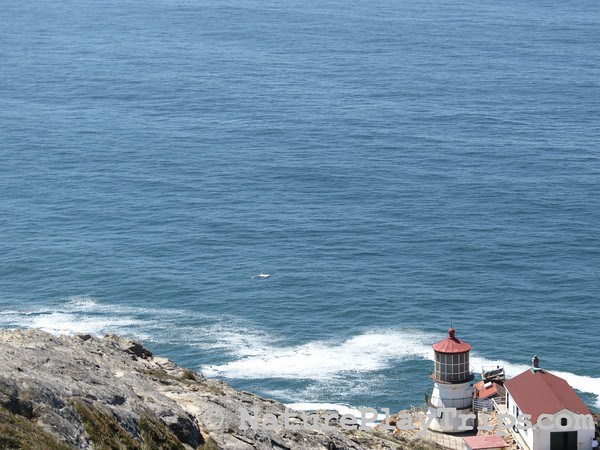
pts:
[452, 385]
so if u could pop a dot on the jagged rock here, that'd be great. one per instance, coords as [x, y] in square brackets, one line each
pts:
[84, 336]
[67, 383]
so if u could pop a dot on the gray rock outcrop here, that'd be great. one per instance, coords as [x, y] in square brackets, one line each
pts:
[68, 384]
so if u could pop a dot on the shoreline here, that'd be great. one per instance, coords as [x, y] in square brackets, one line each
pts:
[83, 392]
[63, 390]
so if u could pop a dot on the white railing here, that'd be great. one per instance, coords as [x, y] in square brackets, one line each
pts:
[480, 404]
[499, 405]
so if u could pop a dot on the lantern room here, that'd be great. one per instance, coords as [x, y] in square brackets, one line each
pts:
[451, 358]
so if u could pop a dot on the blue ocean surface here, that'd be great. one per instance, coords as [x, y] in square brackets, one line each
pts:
[394, 167]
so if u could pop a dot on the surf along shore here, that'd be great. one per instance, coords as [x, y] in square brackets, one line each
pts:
[86, 392]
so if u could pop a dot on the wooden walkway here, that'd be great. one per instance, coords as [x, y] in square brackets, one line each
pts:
[518, 440]
[445, 440]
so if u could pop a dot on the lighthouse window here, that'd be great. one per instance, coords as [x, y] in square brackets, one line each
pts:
[452, 366]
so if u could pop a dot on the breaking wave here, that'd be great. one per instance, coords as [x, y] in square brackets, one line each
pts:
[323, 360]
[251, 353]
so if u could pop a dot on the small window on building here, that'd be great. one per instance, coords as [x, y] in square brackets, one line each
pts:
[563, 422]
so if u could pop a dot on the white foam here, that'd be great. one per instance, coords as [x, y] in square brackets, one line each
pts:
[253, 353]
[325, 361]
[262, 275]
[235, 339]
[82, 302]
[321, 360]
[65, 323]
[86, 314]
[510, 369]
[78, 315]
[582, 383]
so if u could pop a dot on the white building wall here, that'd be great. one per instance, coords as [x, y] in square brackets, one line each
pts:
[584, 436]
[530, 437]
[538, 439]
[514, 411]
[451, 396]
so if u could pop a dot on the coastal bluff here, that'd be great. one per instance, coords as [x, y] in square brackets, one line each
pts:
[86, 392]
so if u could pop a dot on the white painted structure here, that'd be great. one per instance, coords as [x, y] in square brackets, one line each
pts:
[559, 419]
[452, 387]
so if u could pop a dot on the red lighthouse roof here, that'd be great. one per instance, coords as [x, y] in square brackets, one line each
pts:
[451, 344]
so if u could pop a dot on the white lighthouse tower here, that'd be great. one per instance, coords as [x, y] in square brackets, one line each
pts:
[453, 385]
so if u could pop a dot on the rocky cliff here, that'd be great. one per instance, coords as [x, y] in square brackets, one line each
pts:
[61, 392]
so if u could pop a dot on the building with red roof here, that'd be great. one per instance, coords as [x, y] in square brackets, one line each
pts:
[559, 420]
[485, 442]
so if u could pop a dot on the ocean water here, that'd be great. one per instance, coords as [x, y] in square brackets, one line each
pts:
[394, 167]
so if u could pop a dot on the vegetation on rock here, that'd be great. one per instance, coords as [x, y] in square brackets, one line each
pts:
[103, 430]
[156, 434]
[18, 432]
